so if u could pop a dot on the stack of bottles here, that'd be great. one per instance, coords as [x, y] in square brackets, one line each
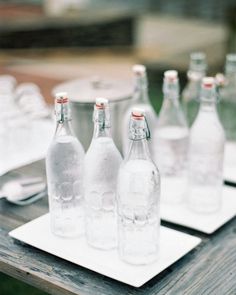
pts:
[116, 201]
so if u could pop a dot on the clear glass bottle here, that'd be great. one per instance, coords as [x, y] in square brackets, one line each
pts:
[102, 162]
[191, 93]
[138, 197]
[64, 166]
[206, 153]
[227, 105]
[170, 140]
[140, 99]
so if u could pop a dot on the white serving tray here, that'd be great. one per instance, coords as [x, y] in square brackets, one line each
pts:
[207, 223]
[230, 162]
[173, 246]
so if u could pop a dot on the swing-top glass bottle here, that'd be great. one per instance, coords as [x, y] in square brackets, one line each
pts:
[141, 100]
[64, 166]
[138, 197]
[206, 154]
[170, 141]
[102, 162]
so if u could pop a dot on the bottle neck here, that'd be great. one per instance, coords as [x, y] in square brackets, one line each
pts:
[171, 94]
[102, 125]
[197, 66]
[63, 118]
[170, 101]
[141, 90]
[208, 100]
[138, 149]
[139, 133]
[64, 128]
[195, 77]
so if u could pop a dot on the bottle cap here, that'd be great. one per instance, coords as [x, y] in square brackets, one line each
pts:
[208, 82]
[138, 114]
[61, 97]
[139, 70]
[171, 75]
[101, 103]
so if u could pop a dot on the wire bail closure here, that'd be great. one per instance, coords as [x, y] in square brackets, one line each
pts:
[138, 126]
[147, 131]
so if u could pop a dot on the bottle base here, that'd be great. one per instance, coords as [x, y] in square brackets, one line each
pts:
[204, 209]
[139, 261]
[67, 231]
[102, 246]
[204, 200]
[67, 236]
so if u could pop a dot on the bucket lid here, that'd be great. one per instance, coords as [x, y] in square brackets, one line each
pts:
[87, 90]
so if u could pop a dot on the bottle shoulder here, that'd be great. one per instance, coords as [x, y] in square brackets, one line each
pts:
[191, 92]
[103, 148]
[172, 114]
[139, 166]
[209, 129]
[172, 122]
[66, 143]
[102, 163]
[171, 132]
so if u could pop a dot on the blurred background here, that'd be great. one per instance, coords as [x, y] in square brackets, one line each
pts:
[52, 41]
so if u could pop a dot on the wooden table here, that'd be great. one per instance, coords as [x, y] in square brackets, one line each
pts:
[208, 269]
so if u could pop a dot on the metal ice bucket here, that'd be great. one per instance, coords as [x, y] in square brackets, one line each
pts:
[82, 94]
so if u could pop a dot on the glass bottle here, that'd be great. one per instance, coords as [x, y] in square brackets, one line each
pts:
[170, 142]
[227, 105]
[102, 162]
[191, 93]
[64, 166]
[138, 197]
[206, 153]
[140, 99]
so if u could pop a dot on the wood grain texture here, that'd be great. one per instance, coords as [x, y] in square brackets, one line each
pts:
[209, 269]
